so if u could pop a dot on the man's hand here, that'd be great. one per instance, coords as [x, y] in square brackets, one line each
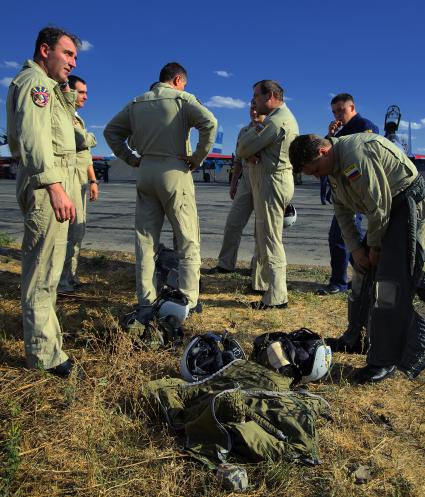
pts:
[257, 118]
[64, 86]
[233, 189]
[94, 192]
[187, 159]
[374, 256]
[254, 159]
[333, 126]
[61, 204]
[361, 260]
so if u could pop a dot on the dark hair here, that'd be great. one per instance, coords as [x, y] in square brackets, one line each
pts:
[342, 97]
[170, 71]
[268, 85]
[51, 36]
[304, 149]
[75, 79]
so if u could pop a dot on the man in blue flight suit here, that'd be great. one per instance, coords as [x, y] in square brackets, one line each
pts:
[347, 122]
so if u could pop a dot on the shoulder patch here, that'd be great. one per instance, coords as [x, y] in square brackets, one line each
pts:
[333, 185]
[40, 96]
[368, 131]
[259, 128]
[352, 172]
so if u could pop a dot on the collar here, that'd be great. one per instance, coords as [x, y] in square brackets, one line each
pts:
[276, 110]
[353, 119]
[336, 149]
[31, 64]
[164, 85]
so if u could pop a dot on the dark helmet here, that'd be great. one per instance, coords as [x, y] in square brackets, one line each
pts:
[206, 354]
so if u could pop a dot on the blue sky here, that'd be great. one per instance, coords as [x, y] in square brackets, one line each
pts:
[371, 49]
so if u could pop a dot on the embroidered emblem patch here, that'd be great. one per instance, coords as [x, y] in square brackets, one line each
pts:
[352, 172]
[40, 96]
[333, 185]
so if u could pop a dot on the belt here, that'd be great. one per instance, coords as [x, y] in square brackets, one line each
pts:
[411, 196]
[65, 160]
[416, 190]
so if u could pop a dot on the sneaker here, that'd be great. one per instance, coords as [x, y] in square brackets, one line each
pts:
[261, 306]
[330, 290]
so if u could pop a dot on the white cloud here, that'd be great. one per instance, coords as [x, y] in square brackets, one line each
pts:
[6, 81]
[98, 126]
[332, 95]
[226, 102]
[85, 46]
[413, 124]
[11, 63]
[223, 74]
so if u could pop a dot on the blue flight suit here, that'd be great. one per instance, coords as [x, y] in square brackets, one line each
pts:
[339, 254]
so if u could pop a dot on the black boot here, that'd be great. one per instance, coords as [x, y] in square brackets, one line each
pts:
[63, 370]
[373, 374]
[351, 342]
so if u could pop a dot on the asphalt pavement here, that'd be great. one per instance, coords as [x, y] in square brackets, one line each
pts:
[111, 220]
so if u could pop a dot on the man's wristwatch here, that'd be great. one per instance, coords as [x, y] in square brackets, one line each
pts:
[93, 182]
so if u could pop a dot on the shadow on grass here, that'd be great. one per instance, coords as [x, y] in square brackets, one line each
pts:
[11, 360]
[304, 286]
[13, 252]
[224, 303]
[341, 373]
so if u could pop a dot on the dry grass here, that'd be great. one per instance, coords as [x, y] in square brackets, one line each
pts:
[90, 436]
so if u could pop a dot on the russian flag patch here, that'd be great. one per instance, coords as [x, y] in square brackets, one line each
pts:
[352, 172]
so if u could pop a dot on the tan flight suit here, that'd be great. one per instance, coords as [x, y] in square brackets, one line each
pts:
[158, 123]
[272, 186]
[369, 172]
[84, 142]
[41, 136]
[238, 217]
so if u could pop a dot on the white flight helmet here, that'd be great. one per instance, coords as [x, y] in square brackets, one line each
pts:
[170, 308]
[171, 305]
[312, 357]
[301, 354]
[290, 216]
[322, 358]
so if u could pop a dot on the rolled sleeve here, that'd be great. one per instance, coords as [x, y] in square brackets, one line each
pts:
[117, 132]
[375, 194]
[46, 178]
[347, 225]
[206, 124]
[258, 138]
